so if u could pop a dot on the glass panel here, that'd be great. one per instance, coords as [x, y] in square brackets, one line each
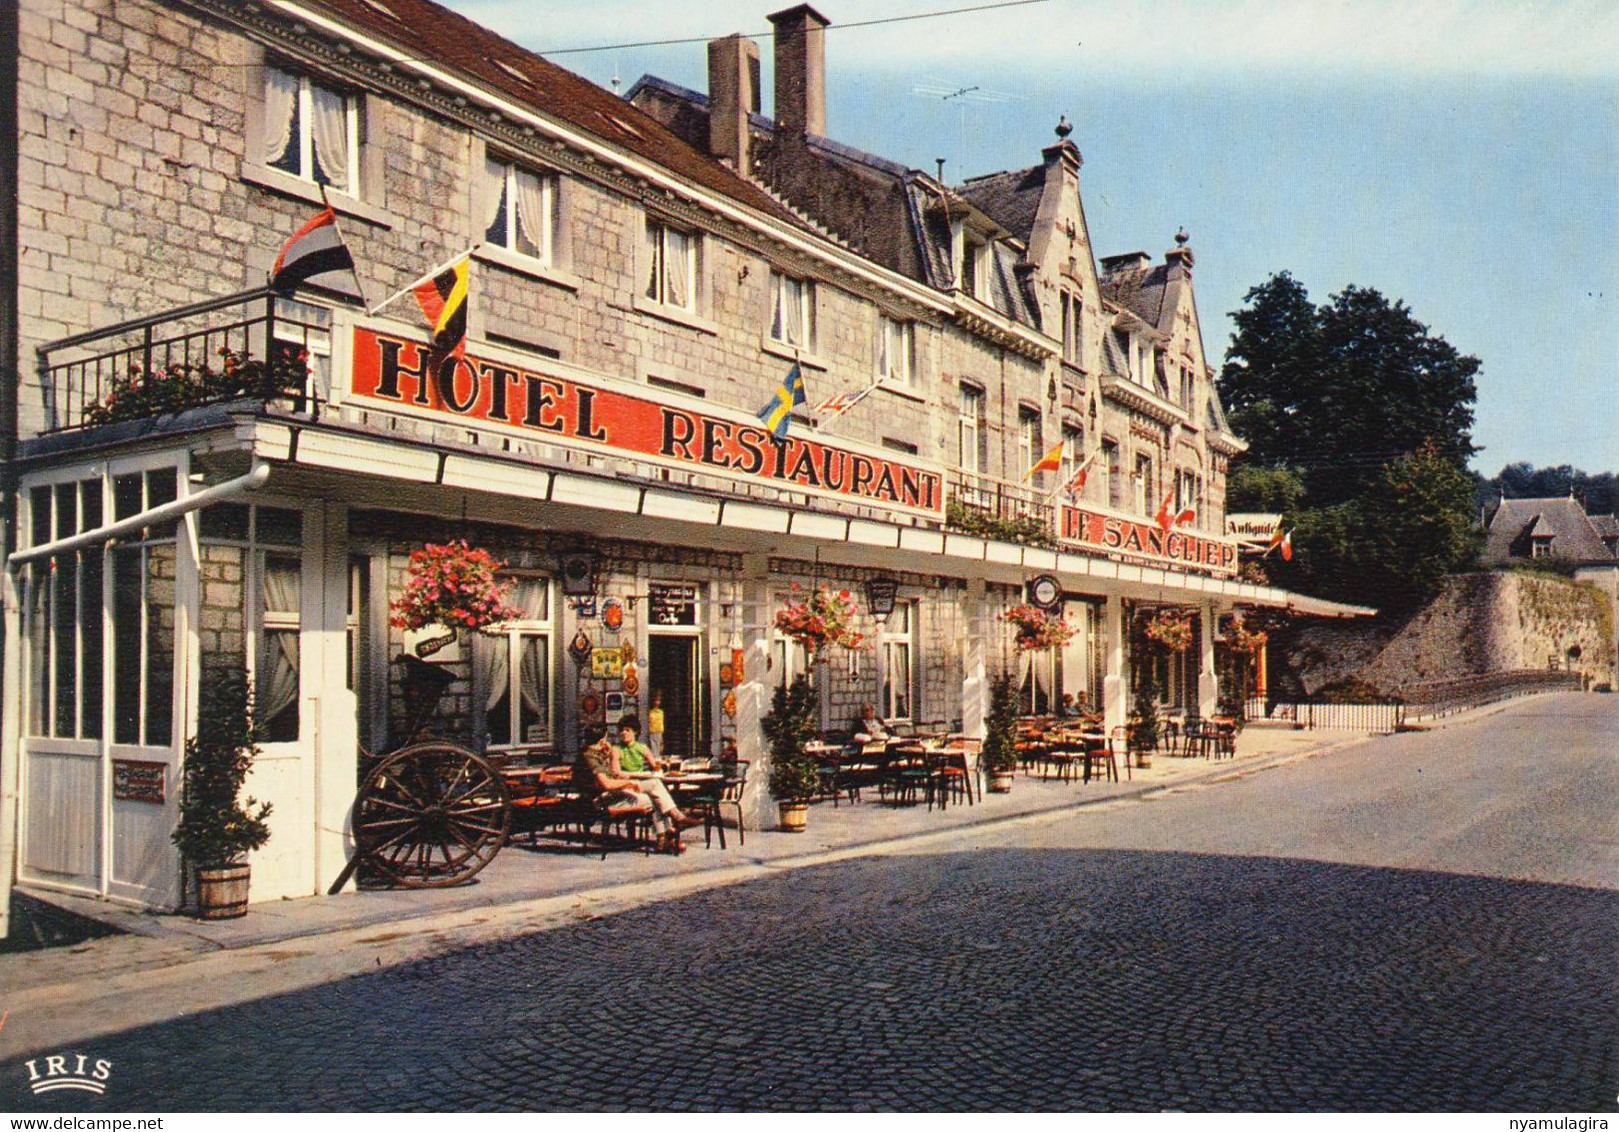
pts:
[495, 173]
[281, 126]
[162, 486]
[67, 510]
[160, 646]
[677, 268]
[39, 648]
[653, 252]
[531, 595]
[276, 675]
[280, 527]
[533, 211]
[126, 496]
[64, 584]
[126, 642]
[329, 125]
[225, 521]
[39, 509]
[90, 505]
[90, 572]
[534, 683]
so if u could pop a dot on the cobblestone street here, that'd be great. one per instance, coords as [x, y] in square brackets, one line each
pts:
[1114, 960]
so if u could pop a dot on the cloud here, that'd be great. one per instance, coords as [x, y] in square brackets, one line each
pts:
[1175, 38]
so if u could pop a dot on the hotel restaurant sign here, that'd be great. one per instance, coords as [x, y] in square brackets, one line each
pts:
[393, 372]
[1095, 533]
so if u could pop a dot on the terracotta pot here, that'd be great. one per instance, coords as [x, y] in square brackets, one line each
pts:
[1000, 782]
[222, 892]
[794, 816]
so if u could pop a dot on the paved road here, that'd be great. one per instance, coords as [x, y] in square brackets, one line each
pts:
[1422, 923]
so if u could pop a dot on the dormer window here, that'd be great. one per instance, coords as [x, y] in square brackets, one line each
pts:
[1540, 546]
[975, 268]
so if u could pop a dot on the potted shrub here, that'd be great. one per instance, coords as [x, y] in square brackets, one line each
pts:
[999, 758]
[217, 827]
[794, 776]
[1144, 727]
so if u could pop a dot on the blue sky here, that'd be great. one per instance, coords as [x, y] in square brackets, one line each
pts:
[1463, 158]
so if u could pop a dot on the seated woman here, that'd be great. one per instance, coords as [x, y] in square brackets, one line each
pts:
[867, 726]
[596, 771]
[634, 756]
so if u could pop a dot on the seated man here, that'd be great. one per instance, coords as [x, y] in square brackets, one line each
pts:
[867, 726]
[633, 755]
[596, 770]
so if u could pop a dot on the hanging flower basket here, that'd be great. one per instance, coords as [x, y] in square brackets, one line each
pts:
[452, 585]
[1036, 629]
[1240, 638]
[824, 618]
[1171, 628]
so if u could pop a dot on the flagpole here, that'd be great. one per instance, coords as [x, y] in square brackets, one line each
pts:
[399, 294]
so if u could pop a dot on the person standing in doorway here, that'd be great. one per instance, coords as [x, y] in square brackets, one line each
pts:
[654, 727]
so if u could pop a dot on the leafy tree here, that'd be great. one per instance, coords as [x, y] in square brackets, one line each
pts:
[1359, 428]
[1523, 480]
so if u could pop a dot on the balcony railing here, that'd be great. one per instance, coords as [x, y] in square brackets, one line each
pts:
[186, 357]
[993, 508]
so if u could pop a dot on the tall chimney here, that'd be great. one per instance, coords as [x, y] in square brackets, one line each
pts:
[800, 72]
[733, 94]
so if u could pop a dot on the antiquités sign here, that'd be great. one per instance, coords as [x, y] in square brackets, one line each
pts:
[1093, 531]
[394, 372]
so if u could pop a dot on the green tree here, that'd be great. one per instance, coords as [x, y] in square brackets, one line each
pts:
[1359, 428]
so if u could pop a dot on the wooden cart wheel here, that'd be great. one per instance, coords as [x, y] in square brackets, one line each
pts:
[431, 815]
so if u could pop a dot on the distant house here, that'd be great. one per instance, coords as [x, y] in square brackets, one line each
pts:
[1555, 529]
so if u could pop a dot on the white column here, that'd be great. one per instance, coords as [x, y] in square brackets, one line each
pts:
[1114, 708]
[1208, 685]
[753, 701]
[10, 740]
[336, 710]
[974, 665]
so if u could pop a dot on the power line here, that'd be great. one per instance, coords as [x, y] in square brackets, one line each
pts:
[771, 34]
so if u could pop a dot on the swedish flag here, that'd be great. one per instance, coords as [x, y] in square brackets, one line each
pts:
[789, 395]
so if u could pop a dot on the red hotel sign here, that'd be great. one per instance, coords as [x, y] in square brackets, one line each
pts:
[394, 372]
[1091, 531]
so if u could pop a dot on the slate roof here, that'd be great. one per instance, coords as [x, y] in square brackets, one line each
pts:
[1140, 290]
[1011, 198]
[884, 210]
[1509, 532]
[427, 31]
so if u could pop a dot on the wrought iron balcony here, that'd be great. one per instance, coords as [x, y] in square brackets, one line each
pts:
[999, 509]
[251, 345]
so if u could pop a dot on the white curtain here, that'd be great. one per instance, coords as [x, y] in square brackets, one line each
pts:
[278, 675]
[330, 122]
[497, 667]
[533, 219]
[793, 304]
[280, 107]
[532, 677]
[654, 260]
[676, 268]
[490, 204]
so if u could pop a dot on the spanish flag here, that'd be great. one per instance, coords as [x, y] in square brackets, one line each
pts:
[1050, 462]
[443, 299]
[777, 416]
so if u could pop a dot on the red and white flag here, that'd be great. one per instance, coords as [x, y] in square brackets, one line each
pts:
[1162, 517]
[838, 404]
[1076, 482]
[316, 254]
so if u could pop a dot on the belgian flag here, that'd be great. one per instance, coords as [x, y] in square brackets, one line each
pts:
[443, 299]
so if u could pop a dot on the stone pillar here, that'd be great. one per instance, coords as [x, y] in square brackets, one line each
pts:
[1114, 683]
[1208, 684]
[336, 708]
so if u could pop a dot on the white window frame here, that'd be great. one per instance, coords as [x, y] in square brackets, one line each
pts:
[1141, 478]
[513, 635]
[511, 215]
[1111, 474]
[782, 288]
[896, 350]
[970, 428]
[655, 247]
[306, 134]
[1073, 443]
[896, 643]
[1030, 441]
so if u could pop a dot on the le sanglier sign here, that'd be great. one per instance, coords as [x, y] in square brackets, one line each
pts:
[1093, 531]
[393, 372]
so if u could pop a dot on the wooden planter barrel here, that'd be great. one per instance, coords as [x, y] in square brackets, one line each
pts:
[222, 892]
[1000, 782]
[794, 816]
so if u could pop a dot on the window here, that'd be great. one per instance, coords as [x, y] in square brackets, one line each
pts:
[1073, 445]
[1143, 485]
[1112, 471]
[1073, 312]
[512, 669]
[519, 210]
[895, 349]
[975, 261]
[899, 642]
[63, 610]
[311, 131]
[1030, 445]
[1187, 387]
[670, 264]
[792, 311]
[1540, 546]
[970, 428]
[1188, 495]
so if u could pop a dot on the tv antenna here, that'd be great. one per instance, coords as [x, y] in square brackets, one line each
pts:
[962, 96]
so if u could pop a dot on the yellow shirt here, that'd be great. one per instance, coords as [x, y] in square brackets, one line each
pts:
[654, 721]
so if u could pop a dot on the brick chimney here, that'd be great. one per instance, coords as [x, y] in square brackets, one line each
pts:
[733, 94]
[800, 72]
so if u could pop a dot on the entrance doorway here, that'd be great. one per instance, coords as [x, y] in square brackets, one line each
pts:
[674, 667]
